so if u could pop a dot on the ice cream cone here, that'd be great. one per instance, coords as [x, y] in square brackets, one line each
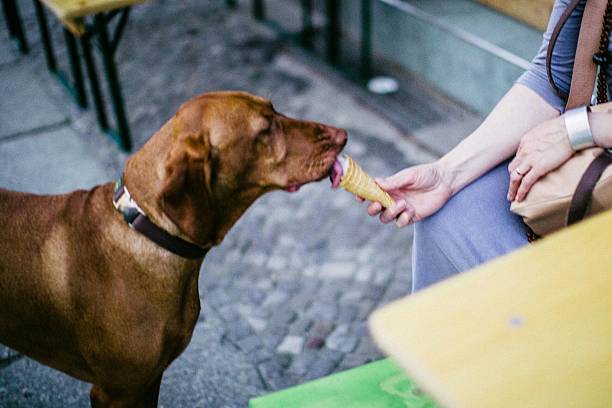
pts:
[358, 182]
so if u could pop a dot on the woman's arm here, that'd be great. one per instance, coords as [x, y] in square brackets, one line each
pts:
[420, 191]
[497, 138]
[528, 103]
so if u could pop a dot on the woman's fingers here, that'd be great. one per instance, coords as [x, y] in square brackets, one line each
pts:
[398, 180]
[405, 218]
[374, 208]
[516, 177]
[392, 212]
[526, 183]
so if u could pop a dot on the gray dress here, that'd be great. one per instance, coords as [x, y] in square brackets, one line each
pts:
[476, 224]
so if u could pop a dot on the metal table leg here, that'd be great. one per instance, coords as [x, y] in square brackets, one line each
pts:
[15, 27]
[259, 9]
[307, 27]
[333, 31]
[107, 48]
[76, 88]
[94, 83]
[366, 39]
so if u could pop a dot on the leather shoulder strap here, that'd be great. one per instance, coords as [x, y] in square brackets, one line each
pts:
[553, 41]
[582, 196]
[585, 70]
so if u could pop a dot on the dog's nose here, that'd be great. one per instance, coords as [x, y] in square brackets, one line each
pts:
[339, 136]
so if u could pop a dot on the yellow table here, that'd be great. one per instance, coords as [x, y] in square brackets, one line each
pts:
[70, 12]
[532, 329]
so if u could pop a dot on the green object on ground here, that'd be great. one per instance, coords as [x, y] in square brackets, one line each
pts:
[376, 385]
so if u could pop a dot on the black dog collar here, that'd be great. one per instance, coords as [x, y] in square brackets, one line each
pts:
[137, 219]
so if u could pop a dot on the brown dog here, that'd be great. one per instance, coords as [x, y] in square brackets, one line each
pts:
[86, 294]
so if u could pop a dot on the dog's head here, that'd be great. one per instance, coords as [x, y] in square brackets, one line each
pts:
[228, 148]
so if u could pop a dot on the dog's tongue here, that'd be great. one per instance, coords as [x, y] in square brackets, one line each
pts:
[335, 175]
[293, 188]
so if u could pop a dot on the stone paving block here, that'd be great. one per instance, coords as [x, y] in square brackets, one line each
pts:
[354, 360]
[302, 362]
[256, 258]
[282, 317]
[291, 344]
[366, 307]
[364, 273]
[256, 323]
[328, 360]
[238, 329]
[337, 270]
[277, 262]
[367, 346]
[375, 292]
[250, 344]
[341, 340]
[300, 326]
[28, 107]
[347, 313]
[300, 301]
[351, 296]
[323, 310]
[288, 286]
[273, 338]
[275, 298]
[270, 370]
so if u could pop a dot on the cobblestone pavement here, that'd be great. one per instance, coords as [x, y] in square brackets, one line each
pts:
[287, 295]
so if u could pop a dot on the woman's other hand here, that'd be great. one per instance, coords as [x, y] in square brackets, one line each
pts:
[418, 192]
[541, 150]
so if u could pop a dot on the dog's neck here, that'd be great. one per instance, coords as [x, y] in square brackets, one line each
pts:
[145, 175]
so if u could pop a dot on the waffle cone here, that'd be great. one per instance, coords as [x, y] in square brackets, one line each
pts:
[358, 182]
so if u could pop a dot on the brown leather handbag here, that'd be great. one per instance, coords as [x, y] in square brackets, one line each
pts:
[582, 186]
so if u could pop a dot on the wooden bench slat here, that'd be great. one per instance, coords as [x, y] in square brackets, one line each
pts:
[533, 12]
[71, 11]
[376, 385]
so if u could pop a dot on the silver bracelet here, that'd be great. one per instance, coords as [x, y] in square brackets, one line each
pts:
[578, 129]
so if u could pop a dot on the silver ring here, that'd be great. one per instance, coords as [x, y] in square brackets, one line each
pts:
[519, 172]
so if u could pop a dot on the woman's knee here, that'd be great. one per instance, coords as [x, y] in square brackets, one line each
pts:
[430, 263]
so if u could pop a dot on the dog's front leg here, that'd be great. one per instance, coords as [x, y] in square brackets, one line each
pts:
[104, 398]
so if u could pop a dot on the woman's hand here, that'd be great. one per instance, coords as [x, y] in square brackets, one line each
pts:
[418, 192]
[541, 150]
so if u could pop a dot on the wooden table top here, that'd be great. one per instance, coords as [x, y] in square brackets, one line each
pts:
[531, 329]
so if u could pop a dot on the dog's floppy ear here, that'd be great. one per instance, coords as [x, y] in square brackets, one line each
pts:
[186, 196]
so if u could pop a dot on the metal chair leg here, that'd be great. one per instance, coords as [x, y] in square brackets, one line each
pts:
[333, 31]
[123, 130]
[259, 9]
[43, 27]
[78, 87]
[94, 83]
[307, 27]
[366, 38]
[15, 26]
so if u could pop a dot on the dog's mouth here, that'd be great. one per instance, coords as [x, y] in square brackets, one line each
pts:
[292, 188]
[333, 171]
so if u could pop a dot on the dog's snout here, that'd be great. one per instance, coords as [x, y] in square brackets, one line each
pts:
[338, 136]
